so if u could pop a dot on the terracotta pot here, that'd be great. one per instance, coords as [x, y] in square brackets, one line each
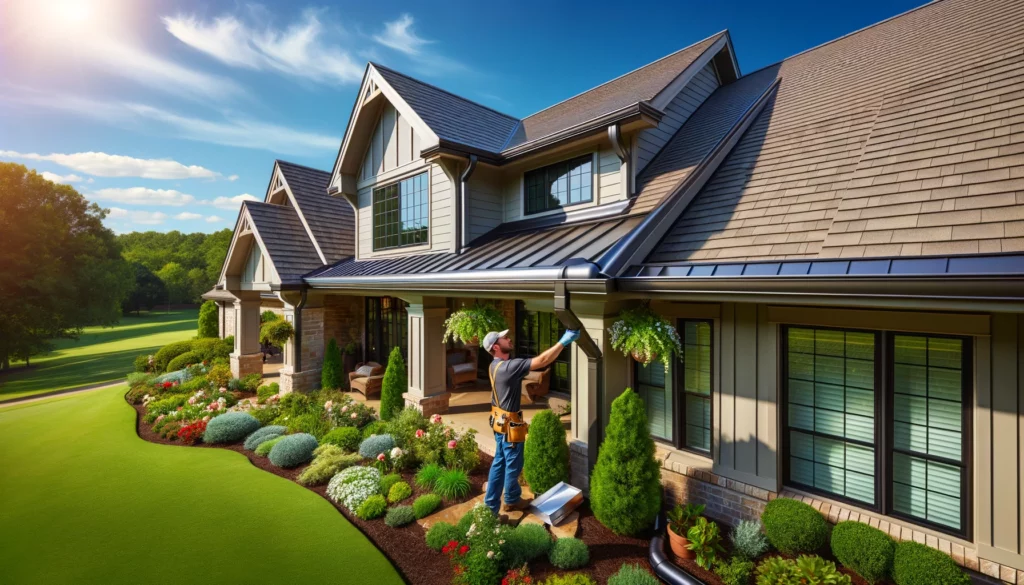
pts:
[679, 544]
[642, 358]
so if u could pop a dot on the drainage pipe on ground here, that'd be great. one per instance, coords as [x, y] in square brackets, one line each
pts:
[665, 569]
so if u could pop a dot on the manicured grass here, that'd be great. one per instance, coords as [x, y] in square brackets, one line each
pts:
[100, 354]
[86, 501]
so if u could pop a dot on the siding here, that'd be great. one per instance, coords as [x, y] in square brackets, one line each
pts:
[649, 142]
[484, 203]
[393, 145]
[440, 215]
[607, 183]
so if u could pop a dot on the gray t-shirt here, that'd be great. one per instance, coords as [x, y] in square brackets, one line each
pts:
[508, 382]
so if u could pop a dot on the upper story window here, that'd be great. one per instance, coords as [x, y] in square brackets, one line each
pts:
[401, 213]
[559, 185]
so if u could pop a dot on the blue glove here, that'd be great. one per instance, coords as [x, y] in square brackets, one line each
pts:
[568, 337]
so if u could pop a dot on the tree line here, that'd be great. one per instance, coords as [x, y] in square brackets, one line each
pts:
[172, 267]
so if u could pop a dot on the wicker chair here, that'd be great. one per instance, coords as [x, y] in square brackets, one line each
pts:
[461, 367]
[536, 384]
[368, 385]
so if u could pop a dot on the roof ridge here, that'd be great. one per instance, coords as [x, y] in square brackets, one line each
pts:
[289, 163]
[658, 60]
[441, 89]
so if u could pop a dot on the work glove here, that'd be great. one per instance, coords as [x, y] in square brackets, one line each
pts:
[568, 337]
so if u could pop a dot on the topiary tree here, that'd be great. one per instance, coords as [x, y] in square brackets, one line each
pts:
[208, 326]
[395, 383]
[546, 459]
[331, 375]
[625, 486]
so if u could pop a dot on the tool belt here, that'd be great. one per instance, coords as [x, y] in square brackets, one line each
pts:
[510, 424]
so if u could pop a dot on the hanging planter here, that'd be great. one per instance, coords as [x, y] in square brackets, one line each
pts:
[645, 336]
[470, 324]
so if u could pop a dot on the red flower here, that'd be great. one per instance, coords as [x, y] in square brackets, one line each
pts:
[504, 581]
[463, 549]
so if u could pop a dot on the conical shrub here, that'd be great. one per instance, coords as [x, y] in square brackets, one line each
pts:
[546, 459]
[625, 486]
[395, 383]
[331, 375]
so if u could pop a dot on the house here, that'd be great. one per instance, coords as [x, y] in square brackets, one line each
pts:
[839, 238]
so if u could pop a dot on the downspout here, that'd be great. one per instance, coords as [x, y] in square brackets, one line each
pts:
[298, 332]
[666, 570]
[460, 218]
[623, 152]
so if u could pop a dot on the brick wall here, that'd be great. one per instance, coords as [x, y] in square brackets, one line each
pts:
[343, 319]
[579, 465]
[312, 339]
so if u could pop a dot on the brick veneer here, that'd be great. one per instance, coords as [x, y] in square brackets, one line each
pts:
[579, 465]
[343, 319]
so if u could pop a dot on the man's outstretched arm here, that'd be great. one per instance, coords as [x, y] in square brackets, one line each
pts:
[551, 354]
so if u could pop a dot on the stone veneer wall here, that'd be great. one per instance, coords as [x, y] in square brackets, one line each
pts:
[579, 466]
[343, 319]
[229, 320]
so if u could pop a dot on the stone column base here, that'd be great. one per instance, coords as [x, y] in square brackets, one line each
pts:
[298, 381]
[428, 405]
[579, 466]
[243, 365]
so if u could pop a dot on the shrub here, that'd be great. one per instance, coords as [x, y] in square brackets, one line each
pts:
[142, 363]
[209, 349]
[230, 427]
[184, 360]
[634, 575]
[917, 564]
[268, 316]
[265, 392]
[734, 572]
[395, 382]
[482, 569]
[452, 484]
[328, 460]
[331, 375]
[295, 404]
[376, 445]
[404, 425]
[293, 450]
[167, 353]
[400, 516]
[190, 433]
[251, 382]
[705, 541]
[373, 507]
[526, 543]
[353, 486]
[748, 541]
[375, 427]
[546, 456]
[441, 444]
[265, 413]
[219, 376]
[807, 569]
[440, 534]
[569, 553]
[569, 579]
[427, 475]
[387, 481]
[794, 527]
[208, 313]
[465, 522]
[256, 437]
[864, 550]
[625, 486]
[263, 449]
[309, 423]
[348, 438]
[399, 492]
[425, 505]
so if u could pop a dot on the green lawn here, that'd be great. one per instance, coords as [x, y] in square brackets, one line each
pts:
[84, 500]
[100, 354]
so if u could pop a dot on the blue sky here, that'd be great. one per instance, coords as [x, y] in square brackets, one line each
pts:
[171, 112]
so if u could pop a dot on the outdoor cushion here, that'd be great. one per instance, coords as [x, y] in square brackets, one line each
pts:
[463, 368]
[365, 370]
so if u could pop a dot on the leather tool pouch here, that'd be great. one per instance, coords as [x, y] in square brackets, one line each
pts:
[510, 424]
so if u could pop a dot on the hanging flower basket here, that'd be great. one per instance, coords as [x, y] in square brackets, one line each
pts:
[645, 336]
[470, 324]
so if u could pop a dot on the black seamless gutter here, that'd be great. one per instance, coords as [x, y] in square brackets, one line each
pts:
[665, 569]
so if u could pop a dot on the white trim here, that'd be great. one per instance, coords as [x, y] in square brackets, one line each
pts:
[298, 211]
[243, 215]
[670, 91]
[404, 250]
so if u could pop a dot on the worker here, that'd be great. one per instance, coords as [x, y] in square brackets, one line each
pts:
[506, 374]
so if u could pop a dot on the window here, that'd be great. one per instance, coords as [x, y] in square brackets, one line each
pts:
[535, 332]
[387, 326]
[400, 213]
[848, 409]
[691, 374]
[559, 185]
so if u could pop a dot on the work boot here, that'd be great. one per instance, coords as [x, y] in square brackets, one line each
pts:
[519, 506]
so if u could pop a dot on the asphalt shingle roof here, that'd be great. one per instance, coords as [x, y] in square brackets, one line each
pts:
[329, 218]
[286, 240]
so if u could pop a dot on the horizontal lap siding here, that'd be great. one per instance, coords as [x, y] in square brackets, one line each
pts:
[649, 142]
[485, 203]
[440, 216]
[607, 183]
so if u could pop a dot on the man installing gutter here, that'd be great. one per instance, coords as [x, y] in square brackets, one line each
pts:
[507, 417]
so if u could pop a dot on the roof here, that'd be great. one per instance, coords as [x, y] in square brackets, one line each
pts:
[285, 239]
[330, 219]
[902, 139]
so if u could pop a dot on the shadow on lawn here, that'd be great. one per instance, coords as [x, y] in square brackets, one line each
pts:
[68, 372]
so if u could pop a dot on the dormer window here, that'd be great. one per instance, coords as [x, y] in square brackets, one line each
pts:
[559, 185]
[401, 212]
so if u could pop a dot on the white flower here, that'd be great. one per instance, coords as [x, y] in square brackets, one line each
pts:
[490, 554]
[396, 453]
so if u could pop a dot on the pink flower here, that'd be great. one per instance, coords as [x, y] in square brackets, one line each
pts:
[436, 419]
[344, 409]
[452, 444]
[419, 433]
[380, 457]
[354, 415]
[160, 418]
[328, 405]
[206, 418]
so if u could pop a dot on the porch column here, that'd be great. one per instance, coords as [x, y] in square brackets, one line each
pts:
[247, 359]
[426, 366]
[303, 361]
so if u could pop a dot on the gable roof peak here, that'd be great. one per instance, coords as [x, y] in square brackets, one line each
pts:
[378, 66]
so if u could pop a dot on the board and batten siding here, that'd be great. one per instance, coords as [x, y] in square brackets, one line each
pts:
[484, 205]
[393, 145]
[649, 142]
[607, 183]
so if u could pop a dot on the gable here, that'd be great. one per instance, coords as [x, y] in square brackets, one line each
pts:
[393, 144]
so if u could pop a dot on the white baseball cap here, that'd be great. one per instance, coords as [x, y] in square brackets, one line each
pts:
[491, 338]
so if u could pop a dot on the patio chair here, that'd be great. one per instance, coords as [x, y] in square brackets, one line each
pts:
[367, 378]
[536, 384]
[461, 367]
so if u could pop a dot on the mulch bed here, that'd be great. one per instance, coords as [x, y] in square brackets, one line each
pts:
[406, 547]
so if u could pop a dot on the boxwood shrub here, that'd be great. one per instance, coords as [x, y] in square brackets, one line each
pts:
[348, 438]
[377, 427]
[425, 505]
[441, 533]
[794, 527]
[399, 492]
[263, 449]
[328, 460]
[865, 550]
[230, 427]
[372, 507]
[184, 360]
[167, 353]
[387, 481]
[917, 564]
[399, 516]
[633, 575]
[569, 553]
[526, 543]
[293, 450]
[256, 437]
[375, 445]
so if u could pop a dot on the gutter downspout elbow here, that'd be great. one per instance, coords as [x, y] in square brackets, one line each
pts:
[622, 151]
[461, 231]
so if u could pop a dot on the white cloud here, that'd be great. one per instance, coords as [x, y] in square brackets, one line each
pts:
[300, 50]
[66, 179]
[232, 203]
[185, 215]
[233, 178]
[102, 164]
[398, 35]
[137, 217]
[213, 219]
[117, 213]
[143, 196]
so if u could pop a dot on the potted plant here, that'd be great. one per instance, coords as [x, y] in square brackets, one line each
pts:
[276, 332]
[470, 324]
[705, 542]
[646, 336]
[680, 520]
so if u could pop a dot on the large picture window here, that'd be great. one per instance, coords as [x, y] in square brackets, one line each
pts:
[535, 332]
[401, 213]
[387, 326]
[559, 185]
[862, 423]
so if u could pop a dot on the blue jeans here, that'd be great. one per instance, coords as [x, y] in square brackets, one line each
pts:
[508, 463]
